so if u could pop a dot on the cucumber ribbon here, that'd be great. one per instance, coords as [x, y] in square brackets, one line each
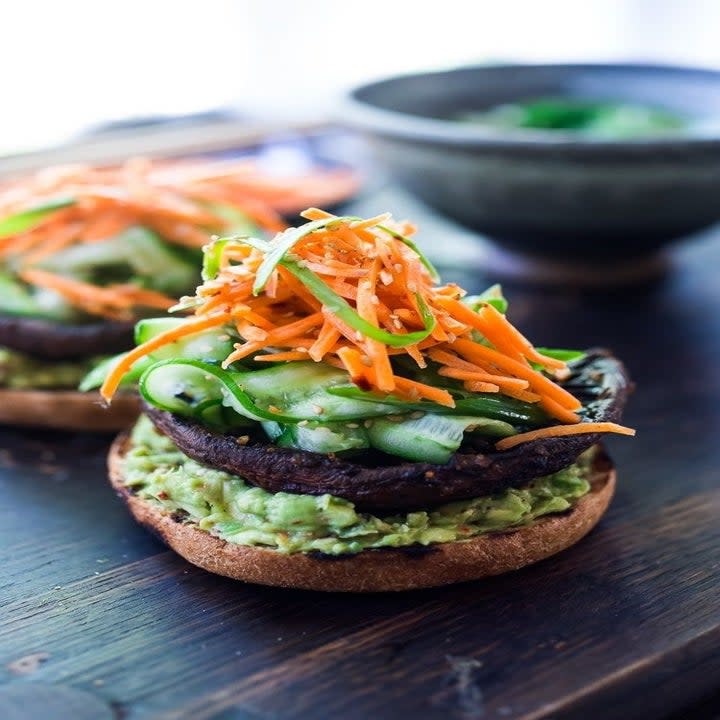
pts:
[25, 220]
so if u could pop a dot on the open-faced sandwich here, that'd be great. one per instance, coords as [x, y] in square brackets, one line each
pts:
[87, 251]
[332, 417]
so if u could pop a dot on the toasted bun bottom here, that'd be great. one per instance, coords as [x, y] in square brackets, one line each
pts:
[375, 570]
[67, 410]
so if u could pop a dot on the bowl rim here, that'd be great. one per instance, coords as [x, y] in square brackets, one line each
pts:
[365, 116]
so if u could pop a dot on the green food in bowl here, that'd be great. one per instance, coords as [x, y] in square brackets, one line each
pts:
[600, 119]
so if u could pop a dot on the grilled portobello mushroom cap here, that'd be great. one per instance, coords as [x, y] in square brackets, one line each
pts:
[57, 341]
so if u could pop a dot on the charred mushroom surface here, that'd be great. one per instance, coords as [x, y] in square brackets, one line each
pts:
[383, 483]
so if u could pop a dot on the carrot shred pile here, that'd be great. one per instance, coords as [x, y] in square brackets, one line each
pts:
[170, 198]
[115, 302]
[384, 280]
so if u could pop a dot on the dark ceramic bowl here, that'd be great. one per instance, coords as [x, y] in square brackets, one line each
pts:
[544, 193]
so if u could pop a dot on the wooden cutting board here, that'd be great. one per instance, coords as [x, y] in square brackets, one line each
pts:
[97, 616]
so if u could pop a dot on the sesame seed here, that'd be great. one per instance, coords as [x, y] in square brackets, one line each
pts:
[242, 439]
[318, 409]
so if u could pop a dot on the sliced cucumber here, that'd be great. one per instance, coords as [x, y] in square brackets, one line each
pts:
[238, 222]
[152, 258]
[272, 429]
[96, 377]
[287, 394]
[318, 437]
[184, 390]
[22, 221]
[188, 390]
[431, 438]
[489, 405]
[209, 346]
[300, 389]
[492, 296]
[17, 299]
[149, 328]
[135, 253]
[81, 260]
[185, 386]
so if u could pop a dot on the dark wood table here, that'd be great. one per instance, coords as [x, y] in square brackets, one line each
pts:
[100, 620]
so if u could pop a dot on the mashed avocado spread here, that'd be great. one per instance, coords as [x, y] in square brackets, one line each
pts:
[229, 508]
[23, 372]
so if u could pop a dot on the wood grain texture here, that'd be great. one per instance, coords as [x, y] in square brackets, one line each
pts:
[624, 625]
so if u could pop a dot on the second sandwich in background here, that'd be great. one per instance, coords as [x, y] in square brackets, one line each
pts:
[86, 251]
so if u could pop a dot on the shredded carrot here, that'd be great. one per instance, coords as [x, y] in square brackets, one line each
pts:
[178, 232]
[497, 320]
[327, 337]
[353, 362]
[299, 290]
[516, 383]
[315, 214]
[524, 395]
[537, 381]
[497, 334]
[283, 335]
[376, 351]
[442, 357]
[370, 222]
[190, 327]
[282, 356]
[114, 301]
[557, 411]
[481, 387]
[256, 318]
[416, 390]
[103, 226]
[416, 354]
[61, 238]
[562, 431]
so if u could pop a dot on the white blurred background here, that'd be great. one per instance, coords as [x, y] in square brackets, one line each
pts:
[71, 66]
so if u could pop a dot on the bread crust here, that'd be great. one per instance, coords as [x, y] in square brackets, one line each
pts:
[67, 410]
[374, 570]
